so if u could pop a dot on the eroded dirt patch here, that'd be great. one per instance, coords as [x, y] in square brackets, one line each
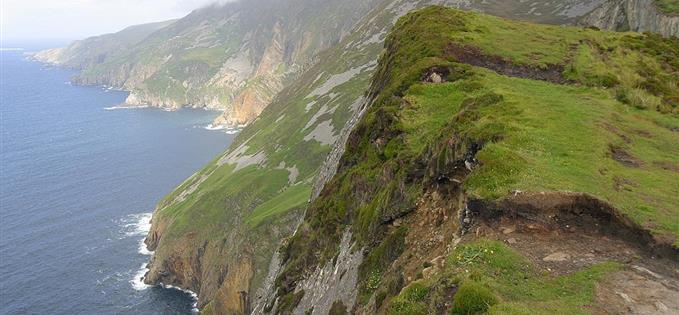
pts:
[576, 212]
[433, 232]
[623, 157]
[474, 56]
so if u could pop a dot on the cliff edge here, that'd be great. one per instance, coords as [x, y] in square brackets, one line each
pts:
[501, 167]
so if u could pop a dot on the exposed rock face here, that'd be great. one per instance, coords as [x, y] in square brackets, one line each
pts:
[329, 168]
[335, 282]
[633, 15]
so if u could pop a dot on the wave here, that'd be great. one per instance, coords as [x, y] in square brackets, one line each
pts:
[137, 224]
[227, 129]
[143, 249]
[138, 281]
[125, 107]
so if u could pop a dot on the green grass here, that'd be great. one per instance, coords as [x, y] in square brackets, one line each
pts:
[668, 6]
[557, 138]
[541, 136]
[293, 197]
[217, 197]
[411, 301]
[520, 288]
[472, 298]
[490, 277]
[431, 106]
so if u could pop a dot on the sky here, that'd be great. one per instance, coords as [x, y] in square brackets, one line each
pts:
[26, 20]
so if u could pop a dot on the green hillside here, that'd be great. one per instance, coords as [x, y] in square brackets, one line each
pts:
[479, 108]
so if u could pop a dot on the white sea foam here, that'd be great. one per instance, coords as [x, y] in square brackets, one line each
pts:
[137, 224]
[212, 127]
[231, 130]
[138, 281]
[125, 107]
[143, 249]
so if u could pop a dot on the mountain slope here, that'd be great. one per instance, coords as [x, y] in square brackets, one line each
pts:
[556, 140]
[89, 52]
[235, 56]
[217, 232]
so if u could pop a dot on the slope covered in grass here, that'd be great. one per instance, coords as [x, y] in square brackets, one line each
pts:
[495, 107]
[668, 6]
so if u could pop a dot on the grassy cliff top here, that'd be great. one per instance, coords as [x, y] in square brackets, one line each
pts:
[555, 108]
[530, 108]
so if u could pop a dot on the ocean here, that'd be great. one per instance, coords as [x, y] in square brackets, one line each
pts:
[78, 182]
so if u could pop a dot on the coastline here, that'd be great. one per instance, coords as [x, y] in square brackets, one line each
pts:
[142, 228]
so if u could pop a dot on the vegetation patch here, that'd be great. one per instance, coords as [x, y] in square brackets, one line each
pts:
[472, 298]
[411, 301]
[668, 6]
[293, 197]
[489, 277]
[496, 279]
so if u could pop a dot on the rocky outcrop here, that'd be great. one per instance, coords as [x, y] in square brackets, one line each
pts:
[268, 80]
[633, 15]
[328, 285]
[329, 168]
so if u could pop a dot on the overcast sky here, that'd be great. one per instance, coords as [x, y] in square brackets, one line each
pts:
[76, 19]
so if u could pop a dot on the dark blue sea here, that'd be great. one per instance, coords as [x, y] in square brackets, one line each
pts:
[77, 185]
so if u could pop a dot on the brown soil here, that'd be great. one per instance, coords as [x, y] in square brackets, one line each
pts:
[582, 213]
[474, 56]
[563, 233]
[432, 233]
[617, 132]
[620, 184]
[623, 157]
